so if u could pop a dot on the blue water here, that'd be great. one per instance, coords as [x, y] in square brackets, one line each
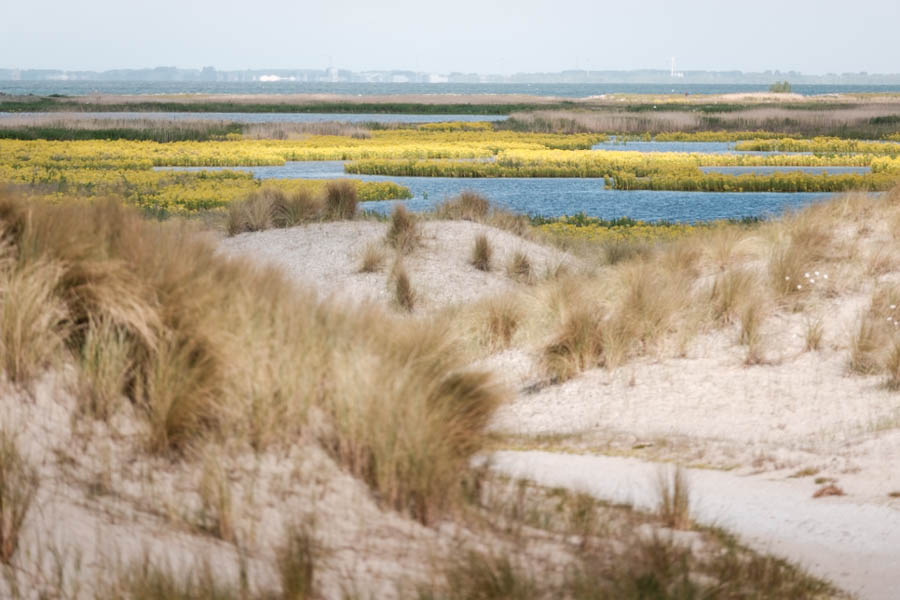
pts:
[558, 196]
[698, 147]
[261, 117]
[568, 90]
[641, 146]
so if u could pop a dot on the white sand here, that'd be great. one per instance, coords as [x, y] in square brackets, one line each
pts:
[327, 257]
[836, 538]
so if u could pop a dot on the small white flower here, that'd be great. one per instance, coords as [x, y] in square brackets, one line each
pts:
[893, 306]
[825, 276]
[806, 275]
[817, 273]
[787, 278]
[799, 287]
[812, 280]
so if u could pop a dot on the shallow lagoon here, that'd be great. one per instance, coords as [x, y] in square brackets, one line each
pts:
[558, 196]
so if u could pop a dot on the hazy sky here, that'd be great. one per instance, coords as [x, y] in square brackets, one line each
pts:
[812, 36]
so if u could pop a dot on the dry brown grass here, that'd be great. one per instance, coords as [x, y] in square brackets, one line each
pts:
[502, 317]
[808, 122]
[468, 206]
[340, 200]
[404, 294]
[104, 364]
[731, 291]
[519, 268]
[876, 333]
[673, 498]
[578, 344]
[221, 348]
[216, 514]
[373, 258]
[813, 333]
[33, 321]
[403, 232]
[18, 487]
[272, 207]
[481, 253]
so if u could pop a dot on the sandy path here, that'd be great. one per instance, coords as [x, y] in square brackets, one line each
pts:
[857, 546]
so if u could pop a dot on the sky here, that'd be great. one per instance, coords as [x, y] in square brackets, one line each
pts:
[484, 36]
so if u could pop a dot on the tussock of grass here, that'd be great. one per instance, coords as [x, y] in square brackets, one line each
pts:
[484, 576]
[877, 332]
[731, 290]
[33, 321]
[414, 466]
[297, 561]
[18, 486]
[813, 334]
[404, 294]
[272, 207]
[519, 267]
[468, 206]
[216, 512]
[472, 206]
[104, 365]
[147, 580]
[482, 253]
[892, 367]
[372, 258]
[864, 347]
[501, 317]
[340, 200]
[403, 232]
[674, 498]
[578, 344]
[751, 336]
[649, 303]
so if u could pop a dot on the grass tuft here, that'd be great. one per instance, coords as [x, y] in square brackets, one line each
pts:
[372, 258]
[519, 268]
[481, 253]
[673, 498]
[815, 331]
[403, 232]
[340, 200]
[104, 366]
[865, 346]
[404, 294]
[476, 575]
[578, 345]
[18, 487]
[32, 319]
[502, 317]
[467, 206]
[297, 561]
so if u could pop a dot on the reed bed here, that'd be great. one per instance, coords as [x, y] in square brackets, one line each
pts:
[860, 121]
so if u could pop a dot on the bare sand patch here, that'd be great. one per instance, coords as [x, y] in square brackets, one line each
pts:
[328, 256]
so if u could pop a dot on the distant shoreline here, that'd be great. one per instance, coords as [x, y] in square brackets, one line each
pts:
[468, 104]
